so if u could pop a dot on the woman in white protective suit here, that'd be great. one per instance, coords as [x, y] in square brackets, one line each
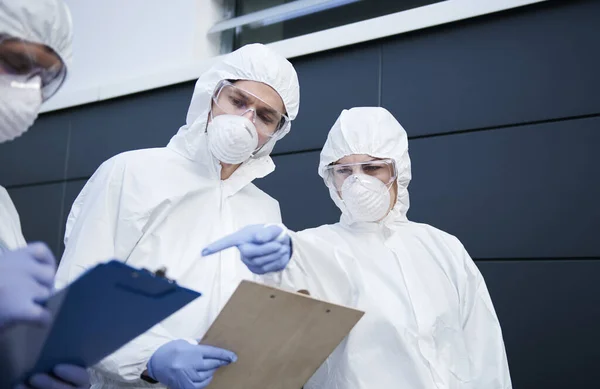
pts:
[159, 207]
[429, 320]
[35, 47]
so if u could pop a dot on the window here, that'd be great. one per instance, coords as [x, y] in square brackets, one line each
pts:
[267, 21]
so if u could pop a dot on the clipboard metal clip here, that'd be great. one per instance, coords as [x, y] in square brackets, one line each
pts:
[149, 283]
[162, 273]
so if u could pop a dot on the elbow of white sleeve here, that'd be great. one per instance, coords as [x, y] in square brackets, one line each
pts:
[125, 365]
[272, 279]
[295, 276]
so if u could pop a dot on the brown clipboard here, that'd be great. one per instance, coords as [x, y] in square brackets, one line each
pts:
[281, 338]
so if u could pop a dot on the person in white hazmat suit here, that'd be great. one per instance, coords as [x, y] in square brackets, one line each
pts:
[35, 47]
[159, 207]
[429, 320]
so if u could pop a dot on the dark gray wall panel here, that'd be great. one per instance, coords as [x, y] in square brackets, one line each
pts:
[71, 191]
[139, 121]
[39, 155]
[40, 209]
[549, 312]
[508, 68]
[523, 192]
[302, 194]
[330, 82]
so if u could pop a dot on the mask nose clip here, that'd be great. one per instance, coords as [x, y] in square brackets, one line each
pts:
[253, 120]
[355, 179]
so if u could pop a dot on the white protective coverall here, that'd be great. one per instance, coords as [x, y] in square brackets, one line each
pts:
[161, 207]
[47, 22]
[429, 320]
[11, 237]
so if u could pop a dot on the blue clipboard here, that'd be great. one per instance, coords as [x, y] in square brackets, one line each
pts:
[108, 306]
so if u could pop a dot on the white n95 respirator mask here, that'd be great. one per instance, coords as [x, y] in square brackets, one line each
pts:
[366, 198]
[20, 103]
[232, 138]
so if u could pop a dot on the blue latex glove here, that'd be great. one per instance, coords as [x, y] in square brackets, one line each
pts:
[26, 280]
[263, 248]
[179, 364]
[64, 377]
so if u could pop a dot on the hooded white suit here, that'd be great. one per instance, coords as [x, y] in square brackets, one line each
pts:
[46, 22]
[429, 322]
[161, 207]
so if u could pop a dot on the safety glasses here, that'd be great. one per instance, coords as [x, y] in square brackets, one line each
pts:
[23, 61]
[382, 169]
[232, 100]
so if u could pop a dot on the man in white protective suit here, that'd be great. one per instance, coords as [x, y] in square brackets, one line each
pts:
[159, 207]
[35, 48]
[429, 320]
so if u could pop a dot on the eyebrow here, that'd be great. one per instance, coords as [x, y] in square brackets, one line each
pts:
[240, 93]
[248, 95]
[269, 110]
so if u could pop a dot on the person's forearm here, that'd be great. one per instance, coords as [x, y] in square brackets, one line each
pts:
[128, 363]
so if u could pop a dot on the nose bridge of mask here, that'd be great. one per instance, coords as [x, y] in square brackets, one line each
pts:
[366, 181]
[20, 82]
[253, 110]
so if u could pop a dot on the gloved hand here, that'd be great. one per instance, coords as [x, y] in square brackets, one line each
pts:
[263, 248]
[65, 377]
[26, 280]
[179, 364]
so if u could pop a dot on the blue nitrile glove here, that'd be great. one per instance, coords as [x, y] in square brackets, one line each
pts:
[263, 248]
[26, 281]
[64, 377]
[179, 364]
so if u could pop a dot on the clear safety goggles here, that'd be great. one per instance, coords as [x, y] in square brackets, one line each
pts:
[382, 169]
[232, 100]
[23, 61]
